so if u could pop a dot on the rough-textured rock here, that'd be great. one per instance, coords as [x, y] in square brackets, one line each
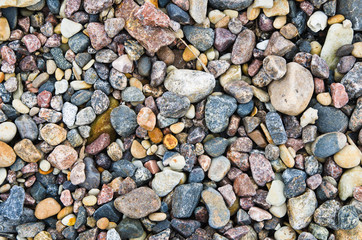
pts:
[243, 47]
[352, 11]
[185, 198]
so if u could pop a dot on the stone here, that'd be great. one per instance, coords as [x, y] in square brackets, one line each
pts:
[149, 15]
[12, 208]
[217, 112]
[219, 167]
[198, 10]
[243, 186]
[337, 36]
[319, 67]
[351, 234]
[138, 203]
[30, 229]
[46, 208]
[63, 157]
[275, 67]
[185, 199]
[185, 227]
[8, 156]
[280, 8]
[347, 217]
[21, 3]
[177, 14]
[278, 45]
[345, 64]
[301, 209]
[173, 105]
[7, 131]
[294, 181]
[93, 7]
[240, 90]
[223, 39]
[348, 157]
[352, 82]
[195, 85]
[243, 47]
[123, 120]
[351, 11]
[258, 214]
[317, 21]
[79, 43]
[26, 150]
[98, 35]
[349, 180]
[231, 4]
[146, 119]
[275, 127]
[216, 146]
[158, 73]
[297, 88]
[201, 38]
[69, 28]
[53, 134]
[164, 182]
[31, 42]
[326, 214]
[219, 215]
[330, 119]
[328, 144]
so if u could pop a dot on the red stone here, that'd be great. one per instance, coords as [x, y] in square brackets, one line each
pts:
[42, 38]
[98, 36]
[31, 42]
[318, 85]
[242, 144]
[254, 67]
[53, 41]
[99, 144]
[44, 98]
[332, 169]
[149, 15]
[339, 95]
[261, 169]
[246, 203]
[233, 125]
[71, 7]
[241, 160]
[66, 198]
[7, 54]
[105, 195]
[303, 59]
[299, 161]
[243, 186]
[152, 166]
[102, 236]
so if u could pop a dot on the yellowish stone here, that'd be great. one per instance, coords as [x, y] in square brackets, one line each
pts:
[4, 29]
[336, 19]
[190, 53]
[137, 150]
[252, 13]
[348, 157]
[223, 23]
[316, 48]
[324, 98]
[170, 141]
[203, 59]
[357, 50]
[286, 157]
[279, 22]
[280, 8]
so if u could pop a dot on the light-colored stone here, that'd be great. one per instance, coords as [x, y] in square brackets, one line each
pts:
[164, 182]
[7, 156]
[7, 131]
[198, 10]
[195, 85]
[275, 195]
[17, 3]
[53, 134]
[309, 117]
[280, 8]
[291, 94]
[26, 150]
[220, 166]
[349, 157]
[68, 28]
[285, 233]
[4, 29]
[279, 211]
[317, 21]
[337, 36]
[349, 180]
[47, 208]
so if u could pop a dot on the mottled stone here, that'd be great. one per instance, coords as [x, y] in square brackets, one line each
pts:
[185, 198]
[219, 215]
[328, 144]
[243, 47]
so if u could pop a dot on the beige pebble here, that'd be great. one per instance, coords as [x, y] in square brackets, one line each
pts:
[67, 74]
[324, 98]
[146, 144]
[279, 22]
[43, 235]
[64, 212]
[190, 114]
[44, 165]
[215, 16]
[348, 157]
[190, 53]
[90, 200]
[223, 23]
[137, 150]
[20, 107]
[231, 13]
[357, 50]
[51, 66]
[46, 208]
[89, 65]
[102, 223]
[316, 48]
[59, 74]
[286, 157]
[177, 127]
[80, 85]
[252, 12]
[157, 216]
[203, 59]
[134, 82]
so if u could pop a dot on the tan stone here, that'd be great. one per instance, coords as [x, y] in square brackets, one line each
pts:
[348, 157]
[357, 50]
[137, 150]
[351, 234]
[291, 94]
[17, 3]
[146, 119]
[280, 8]
[350, 179]
[26, 150]
[4, 28]
[46, 208]
[53, 134]
[190, 53]
[7, 155]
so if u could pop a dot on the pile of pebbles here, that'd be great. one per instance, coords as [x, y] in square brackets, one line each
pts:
[182, 119]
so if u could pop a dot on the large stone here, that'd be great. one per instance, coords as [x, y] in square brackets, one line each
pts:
[352, 10]
[185, 198]
[230, 4]
[123, 120]
[12, 208]
[301, 209]
[337, 36]
[328, 144]
[195, 85]
[138, 203]
[26, 150]
[4, 29]
[219, 215]
[330, 119]
[291, 94]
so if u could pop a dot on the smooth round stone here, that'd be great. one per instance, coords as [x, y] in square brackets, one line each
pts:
[7, 131]
[220, 166]
[7, 157]
[279, 211]
[44, 165]
[219, 215]
[328, 144]
[350, 179]
[275, 195]
[230, 4]
[69, 28]
[216, 146]
[348, 157]
[47, 208]
[85, 116]
[195, 85]
[138, 203]
[330, 119]
[27, 151]
[132, 94]
[185, 199]
[3, 174]
[201, 38]
[244, 109]
[276, 128]
[124, 120]
[285, 233]
[164, 182]
[177, 163]
[144, 66]
[53, 134]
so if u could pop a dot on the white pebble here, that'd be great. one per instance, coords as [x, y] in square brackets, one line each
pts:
[309, 116]
[262, 45]
[94, 192]
[279, 211]
[3, 175]
[79, 85]
[20, 107]
[68, 28]
[190, 114]
[275, 195]
[7, 131]
[177, 163]
[317, 21]
[263, 3]
[44, 165]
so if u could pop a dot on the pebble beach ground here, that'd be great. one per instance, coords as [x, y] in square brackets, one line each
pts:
[180, 119]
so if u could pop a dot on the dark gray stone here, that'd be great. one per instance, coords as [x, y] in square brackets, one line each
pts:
[130, 228]
[185, 199]
[230, 4]
[93, 177]
[12, 208]
[216, 146]
[330, 119]
[172, 105]
[79, 42]
[352, 10]
[201, 38]
[124, 120]
[328, 144]
[27, 128]
[347, 217]
[177, 14]
[276, 128]
[294, 181]
[60, 59]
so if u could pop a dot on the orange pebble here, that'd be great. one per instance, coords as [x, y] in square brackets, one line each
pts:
[156, 135]
[170, 141]
[47, 172]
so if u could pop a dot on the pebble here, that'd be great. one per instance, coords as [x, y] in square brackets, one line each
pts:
[276, 128]
[7, 131]
[258, 214]
[296, 91]
[317, 21]
[326, 214]
[201, 38]
[12, 208]
[62, 157]
[243, 47]
[219, 167]
[345, 64]
[275, 67]
[347, 217]
[349, 180]
[26, 150]
[330, 119]
[53, 134]
[219, 215]
[69, 28]
[280, 8]
[275, 195]
[124, 120]
[195, 85]
[173, 105]
[198, 10]
[46, 208]
[278, 45]
[328, 144]
[294, 181]
[5, 29]
[350, 81]
[172, 178]
[138, 203]
[185, 199]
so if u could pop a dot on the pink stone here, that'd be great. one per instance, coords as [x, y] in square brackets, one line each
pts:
[30, 168]
[7, 67]
[42, 38]
[30, 181]
[295, 143]
[99, 144]
[357, 193]
[314, 181]
[66, 198]
[228, 194]
[53, 41]
[243, 18]
[69, 55]
[96, 6]
[63, 157]
[234, 173]
[254, 67]
[16, 34]
[259, 214]
[77, 175]
[243, 186]
[237, 232]
[242, 144]
[28, 63]
[241, 160]
[339, 95]
[149, 15]
[261, 169]
[7, 54]
[71, 7]
[307, 7]
[105, 195]
[299, 161]
[126, 186]
[98, 35]
[24, 23]
[246, 203]
[102, 236]
[31, 42]
[332, 169]
[318, 85]
[223, 39]
[44, 98]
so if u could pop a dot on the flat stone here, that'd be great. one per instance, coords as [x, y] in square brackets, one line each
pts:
[164, 182]
[138, 203]
[291, 94]
[240, 90]
[301, 209]
[219, 215]
[173, 105]
[185, 199]
[328, 144]
[195, 85]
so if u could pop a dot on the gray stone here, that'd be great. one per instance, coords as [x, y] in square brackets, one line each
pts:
[185, 198]
[199, 37]
[12, 208]
[328, 144]
[276, 128]
[132, 94]
[352, 81]
[27, 128]
[230, 4]
[352, 10]
[173, 105]
[124, 120]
